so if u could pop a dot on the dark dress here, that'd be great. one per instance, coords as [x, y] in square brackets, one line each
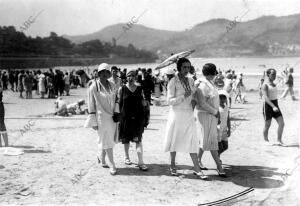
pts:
[2, 114]
[132, 115]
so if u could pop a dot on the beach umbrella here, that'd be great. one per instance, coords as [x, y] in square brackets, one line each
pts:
[173, 59]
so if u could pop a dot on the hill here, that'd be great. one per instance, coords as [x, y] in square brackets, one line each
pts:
[267, 35]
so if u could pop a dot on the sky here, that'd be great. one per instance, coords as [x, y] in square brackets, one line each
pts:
[77, 17]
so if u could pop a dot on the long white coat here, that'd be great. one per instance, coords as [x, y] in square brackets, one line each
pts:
[101, 104]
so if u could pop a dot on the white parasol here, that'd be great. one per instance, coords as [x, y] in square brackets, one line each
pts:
[173, 59]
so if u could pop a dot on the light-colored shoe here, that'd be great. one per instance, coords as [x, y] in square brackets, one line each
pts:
[268, 143]
[143, 167]
[173, 171]
[113, 171]
[128, 161]
[201, 175]
[278, 144]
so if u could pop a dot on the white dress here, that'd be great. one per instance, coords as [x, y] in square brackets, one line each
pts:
[181, 135]
[101, 105]
[41, 84]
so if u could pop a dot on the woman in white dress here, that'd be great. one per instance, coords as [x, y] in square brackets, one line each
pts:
[181, 135]
[101, 105]
[208, 118]
[41, 84]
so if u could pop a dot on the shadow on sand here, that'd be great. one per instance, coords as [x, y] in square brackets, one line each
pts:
[292, 145]
[238, 119]
[246, 176]
[30, 149]
[36, 151]
[22, 146]
[253, 176]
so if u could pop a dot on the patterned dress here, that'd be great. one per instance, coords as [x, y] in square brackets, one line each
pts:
[207, 120]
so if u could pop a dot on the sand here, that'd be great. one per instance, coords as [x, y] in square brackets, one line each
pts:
[59, 161]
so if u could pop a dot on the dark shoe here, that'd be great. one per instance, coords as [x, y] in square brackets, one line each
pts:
[221, 174]
[104, 165]
[202, 167]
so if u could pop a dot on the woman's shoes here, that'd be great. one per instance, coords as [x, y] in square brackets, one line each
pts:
[113, 171]
[128, 162]
[221, 174]
[173, 171]
[203, 168]
[278, 143]
[104, 165]
[143, 167]
[201, 175]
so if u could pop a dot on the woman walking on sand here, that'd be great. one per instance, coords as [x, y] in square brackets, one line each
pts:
[41, 84]
[270, 106]
[181, 134]
[101, 105]
[133, 118]
[208, 117]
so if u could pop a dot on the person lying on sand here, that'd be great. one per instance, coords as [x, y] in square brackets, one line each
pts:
[64, 109]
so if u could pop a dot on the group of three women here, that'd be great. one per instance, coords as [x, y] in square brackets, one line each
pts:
[183, 132]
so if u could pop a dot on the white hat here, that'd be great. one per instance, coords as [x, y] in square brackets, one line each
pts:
[103, 66]
[156, 72]
[170, 71]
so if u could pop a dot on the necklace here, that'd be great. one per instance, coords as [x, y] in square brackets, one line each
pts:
[106, 86]
[184, 82]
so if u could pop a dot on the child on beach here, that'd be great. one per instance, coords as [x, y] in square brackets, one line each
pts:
[240, 91]
[223, 124]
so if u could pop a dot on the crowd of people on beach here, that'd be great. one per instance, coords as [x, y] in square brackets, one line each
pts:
[118, 107]
[50, 84]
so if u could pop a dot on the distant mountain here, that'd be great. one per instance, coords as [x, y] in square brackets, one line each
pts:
[267, 35]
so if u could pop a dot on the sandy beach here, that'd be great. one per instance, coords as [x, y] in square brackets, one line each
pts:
[59, 161]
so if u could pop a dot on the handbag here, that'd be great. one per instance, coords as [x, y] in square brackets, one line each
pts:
[117, 115]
